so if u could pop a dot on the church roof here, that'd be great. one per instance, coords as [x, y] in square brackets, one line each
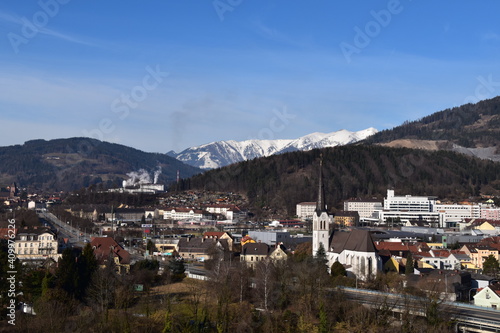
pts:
[357, 240]
[320, 204]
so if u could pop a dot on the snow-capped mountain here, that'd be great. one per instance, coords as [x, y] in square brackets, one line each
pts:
[221, 153]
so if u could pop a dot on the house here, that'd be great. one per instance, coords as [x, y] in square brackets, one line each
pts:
[36, 243]
[478, 253]
[450, 285]
[346, 218]
[252, 253]
[196, 248]
[279, 253]
[488, 296]
[219, 235]
[107, 251]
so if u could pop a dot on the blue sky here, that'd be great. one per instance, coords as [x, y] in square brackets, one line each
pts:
[167, 75]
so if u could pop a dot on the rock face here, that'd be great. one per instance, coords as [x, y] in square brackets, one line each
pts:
[221, 153]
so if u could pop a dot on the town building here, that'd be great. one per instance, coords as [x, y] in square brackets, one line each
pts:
[305, 210]
[408, 203]
[228, 212]
[271, 237]
[253, 253]
[201, 249]
[488, 296]
[355, 249]
[346, 219]
[365, 208]
[182, 213]
[108, 252]
[36, 243]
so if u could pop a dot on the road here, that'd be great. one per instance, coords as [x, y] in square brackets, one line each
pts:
[470, 315]
[65, 230]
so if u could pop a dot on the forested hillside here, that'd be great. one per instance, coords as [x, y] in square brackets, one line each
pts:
[282, 181]
[69, 164]
[469, 125]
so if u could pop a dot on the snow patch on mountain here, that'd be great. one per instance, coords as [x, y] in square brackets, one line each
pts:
[221, 153]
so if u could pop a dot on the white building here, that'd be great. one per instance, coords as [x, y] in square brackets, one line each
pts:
[305, 210]
[456, 213]
[408, 203]
[230, 212]
[355, 249]
[185, 214]
[365, 208]
[434, 219]
[37, 243]
[321, 219]
[488, 297]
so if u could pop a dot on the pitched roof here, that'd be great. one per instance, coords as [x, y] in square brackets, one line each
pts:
[104, 246]
[213, 234]
[357, 240]
[259, 249]
[197, 244]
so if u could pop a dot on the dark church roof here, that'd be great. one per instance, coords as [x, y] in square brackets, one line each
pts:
[320, 204]
[355, 240]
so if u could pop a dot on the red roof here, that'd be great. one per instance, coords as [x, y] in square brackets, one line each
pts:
[104, 246]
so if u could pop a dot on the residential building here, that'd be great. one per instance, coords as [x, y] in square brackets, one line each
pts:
[201, 249]
[36, 243]
[108, 252]
[478, 253]
[346, 218]
[253, 253]
[488, 296]
[219, 235]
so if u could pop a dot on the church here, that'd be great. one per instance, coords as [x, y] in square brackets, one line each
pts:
[355, 249]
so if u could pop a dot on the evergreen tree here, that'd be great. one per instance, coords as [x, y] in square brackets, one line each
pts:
[321, 255]
[67, 272]
[491, 266]
[337, 269]
[409, 269]
[87, 264]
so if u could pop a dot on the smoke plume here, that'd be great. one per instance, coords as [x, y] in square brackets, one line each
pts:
[139, 177]
[157, 174]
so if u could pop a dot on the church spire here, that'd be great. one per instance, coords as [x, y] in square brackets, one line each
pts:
[320, 204]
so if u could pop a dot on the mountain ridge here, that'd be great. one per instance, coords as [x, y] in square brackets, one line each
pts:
[72, 163]
[221, 153]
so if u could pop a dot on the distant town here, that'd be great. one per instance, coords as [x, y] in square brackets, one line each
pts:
[446, 252]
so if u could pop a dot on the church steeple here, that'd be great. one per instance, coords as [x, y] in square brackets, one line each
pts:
[320, 204]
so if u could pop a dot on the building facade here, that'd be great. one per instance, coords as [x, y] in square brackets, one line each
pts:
[365, 208]
[36, 243]
[305, 210]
